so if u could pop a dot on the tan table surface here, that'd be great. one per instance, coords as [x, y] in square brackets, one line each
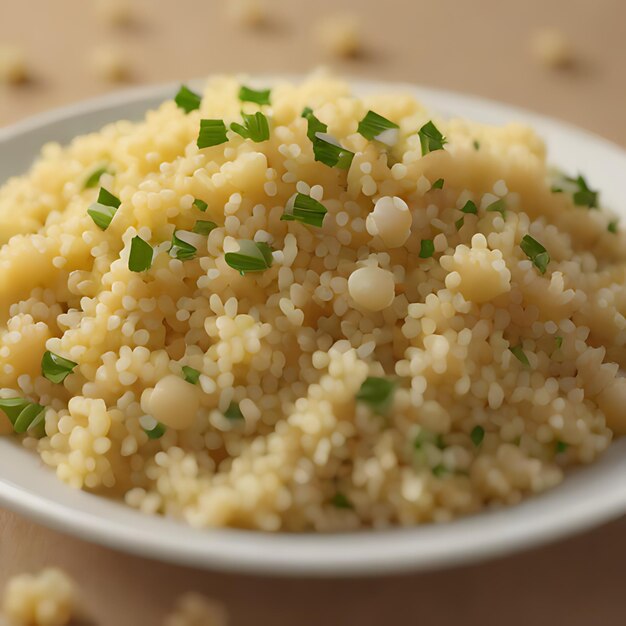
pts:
[475, 46]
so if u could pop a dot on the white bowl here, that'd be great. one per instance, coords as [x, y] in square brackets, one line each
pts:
[588, 496]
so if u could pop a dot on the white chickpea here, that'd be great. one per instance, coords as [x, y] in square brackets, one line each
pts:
[173, 402]
[372, 288]
[391, 220]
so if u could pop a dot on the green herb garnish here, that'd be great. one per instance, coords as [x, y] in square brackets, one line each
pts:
[102, 211]
[377, 393]
[201, 205]
[438, 184]
[427, 248]
[470, 207]
[182, 250]
[254, 127]
[477, 435]
[212, 133]
[191, 375]
[306, 210]
[187, 100]
[561, 447]
[426, 436]
[584, 196]
[375, 126]
[23, 414]
[558, 341]
[94, 178]
[498, 205]
[203, 227]
[459, 223]
[314, 125]
[157, 432]
[431, 138]
[340, 501]
[140, 257]
[55, 368]
[535, 252]
[328, 151]
[476, 144]
[252, 257]
[520, 355]
[260, 96]
[612, 227]
[440, 470]
[233, 412]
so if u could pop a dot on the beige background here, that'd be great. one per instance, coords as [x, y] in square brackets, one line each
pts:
[476, 46]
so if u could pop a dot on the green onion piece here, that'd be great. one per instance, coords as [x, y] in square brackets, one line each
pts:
[203, 227]
[140, 257]
[24, 415]
[182, 250]
[94, 178]
[477, 435]
[233, 412]
[102, 211]
[520, 355]
[252, 257]
[329, 152]
[535, 252]
[438, 184]
[561, 447]
[470, 207]
[201, 205]
[555, 189]
[212, 133]
[340, 501]
[314, 125]
[157, 432]
[584, 196]
[440, 470]
[459, 223]
[476, 144]
[499, 206]
[558, 341]
[255, 127]
[377, 393]
[55, 368]
[431, 138]
[260, 96]
[612, 227]
[306, 210]
[375, 126]
[191, 375]
[187, 100]
[427, 249]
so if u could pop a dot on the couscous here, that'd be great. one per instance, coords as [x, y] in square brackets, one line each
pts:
[297, 309]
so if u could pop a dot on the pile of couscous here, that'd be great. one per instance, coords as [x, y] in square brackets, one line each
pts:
[296, 309]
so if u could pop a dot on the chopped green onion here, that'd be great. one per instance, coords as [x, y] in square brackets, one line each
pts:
[23, 414]
[440, 470]
[102, 211]
[157, 432]
[252, 257]
[340, 501]
[306, 210]
[520, 355]
[470, 207]
[255, 127]
[260, 96]
[476, 144]
[140, 257]
[203, 227]
[438, 184]
[535, 252]
[459, 223]
[375, 126]
[201, 205]
[377, 392]
[182, 250]
[477, 435]
[94, 178]
[584, 196]
[499, 206]
[187, 100]
[427, 249]
[55, 368]
[561, 447]
[212, 133]
[233, 412]
[431, 138]
[191, 375]
[314, 125]
[558, 341]
[612, 227]
[328, 151]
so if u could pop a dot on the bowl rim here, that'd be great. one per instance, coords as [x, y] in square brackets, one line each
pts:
[540, 519]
